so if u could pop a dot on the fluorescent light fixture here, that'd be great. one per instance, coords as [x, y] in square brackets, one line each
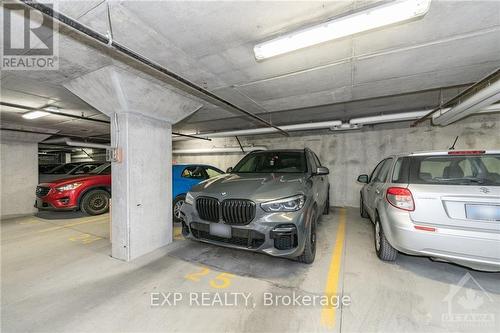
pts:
[35, 114]
[52, 109]
[376, 17]
[346, 127]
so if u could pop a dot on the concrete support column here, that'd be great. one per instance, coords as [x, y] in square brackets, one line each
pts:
[142, 196]
[142, 112]
[19, 169]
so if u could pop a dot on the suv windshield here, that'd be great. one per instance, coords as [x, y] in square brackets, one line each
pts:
[102, 169]
[268, 162]
[63, 168]
[456, 170]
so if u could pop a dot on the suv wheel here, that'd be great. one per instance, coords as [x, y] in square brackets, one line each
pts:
[307, 257]
[362, 210]
[384, 250]
[176, 209]
[326, 211]
[95, 202]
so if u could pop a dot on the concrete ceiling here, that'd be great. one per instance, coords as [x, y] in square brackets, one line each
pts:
[409, 66]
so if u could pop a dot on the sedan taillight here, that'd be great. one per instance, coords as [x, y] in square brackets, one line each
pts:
[400, 198]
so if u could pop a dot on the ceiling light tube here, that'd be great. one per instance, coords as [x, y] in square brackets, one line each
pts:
[387, 118]
[35, 114]
[369, 19]
[52, 109]
[346, 127]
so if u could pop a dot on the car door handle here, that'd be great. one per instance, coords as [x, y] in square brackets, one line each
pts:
[377, 191]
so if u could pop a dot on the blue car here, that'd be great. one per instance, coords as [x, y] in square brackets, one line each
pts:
[185, 176]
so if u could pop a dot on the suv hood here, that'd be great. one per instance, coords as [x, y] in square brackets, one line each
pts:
[258, 187]
[69, 179]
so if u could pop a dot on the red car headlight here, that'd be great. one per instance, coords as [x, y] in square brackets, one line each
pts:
[68, 187]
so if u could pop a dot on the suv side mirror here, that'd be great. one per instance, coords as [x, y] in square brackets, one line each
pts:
[229, 170]
[363, 179]
[321, 171]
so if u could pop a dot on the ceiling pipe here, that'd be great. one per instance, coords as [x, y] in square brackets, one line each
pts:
[491, 108]
[337, 125]
[267, 130]
[346, 127]
[72, 143]
[470, 91]
[217, 150]
[86, 144]
[406, 116]
[187, 85]
[480, 100]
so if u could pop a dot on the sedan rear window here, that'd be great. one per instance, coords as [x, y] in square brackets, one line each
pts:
[456, 170]
[267, 162]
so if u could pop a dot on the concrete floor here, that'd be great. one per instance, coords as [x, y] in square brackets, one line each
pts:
[57, 275]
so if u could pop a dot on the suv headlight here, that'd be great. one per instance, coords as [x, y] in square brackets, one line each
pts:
[189, 199]
[68, 187]
[290, 204]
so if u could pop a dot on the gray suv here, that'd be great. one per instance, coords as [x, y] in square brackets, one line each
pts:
[444, 205]
[270, 202]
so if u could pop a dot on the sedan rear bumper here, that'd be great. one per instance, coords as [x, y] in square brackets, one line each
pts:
[475, 249]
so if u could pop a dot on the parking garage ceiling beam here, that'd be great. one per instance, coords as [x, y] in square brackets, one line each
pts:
[18, 106]
[188, 85]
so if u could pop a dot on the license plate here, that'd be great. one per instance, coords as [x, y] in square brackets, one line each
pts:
[482, 212]
[220, 230]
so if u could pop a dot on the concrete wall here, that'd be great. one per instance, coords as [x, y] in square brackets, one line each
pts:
[19, 177]
[349, 154]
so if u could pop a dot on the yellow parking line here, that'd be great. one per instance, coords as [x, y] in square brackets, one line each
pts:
[332, 283]
[178, 233]
[100, 220]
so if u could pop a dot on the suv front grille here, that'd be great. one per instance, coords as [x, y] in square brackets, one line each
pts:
[244, 238]
[237, 211]
[232, 211]
[42, 191]
[208, 208]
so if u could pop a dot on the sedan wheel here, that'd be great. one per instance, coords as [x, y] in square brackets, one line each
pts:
[384, 249]
[362, 210]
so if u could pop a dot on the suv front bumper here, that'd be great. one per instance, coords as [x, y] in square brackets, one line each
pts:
[276, 234]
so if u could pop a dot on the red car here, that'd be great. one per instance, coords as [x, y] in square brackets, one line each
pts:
[90, 193]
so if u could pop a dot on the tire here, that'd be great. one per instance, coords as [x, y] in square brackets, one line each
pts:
[384, 250]
[95, 202]
[362, 211]
[326, 210]
[307, 257]
[176, 207]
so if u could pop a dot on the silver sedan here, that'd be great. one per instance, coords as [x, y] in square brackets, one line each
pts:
[444, 205]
